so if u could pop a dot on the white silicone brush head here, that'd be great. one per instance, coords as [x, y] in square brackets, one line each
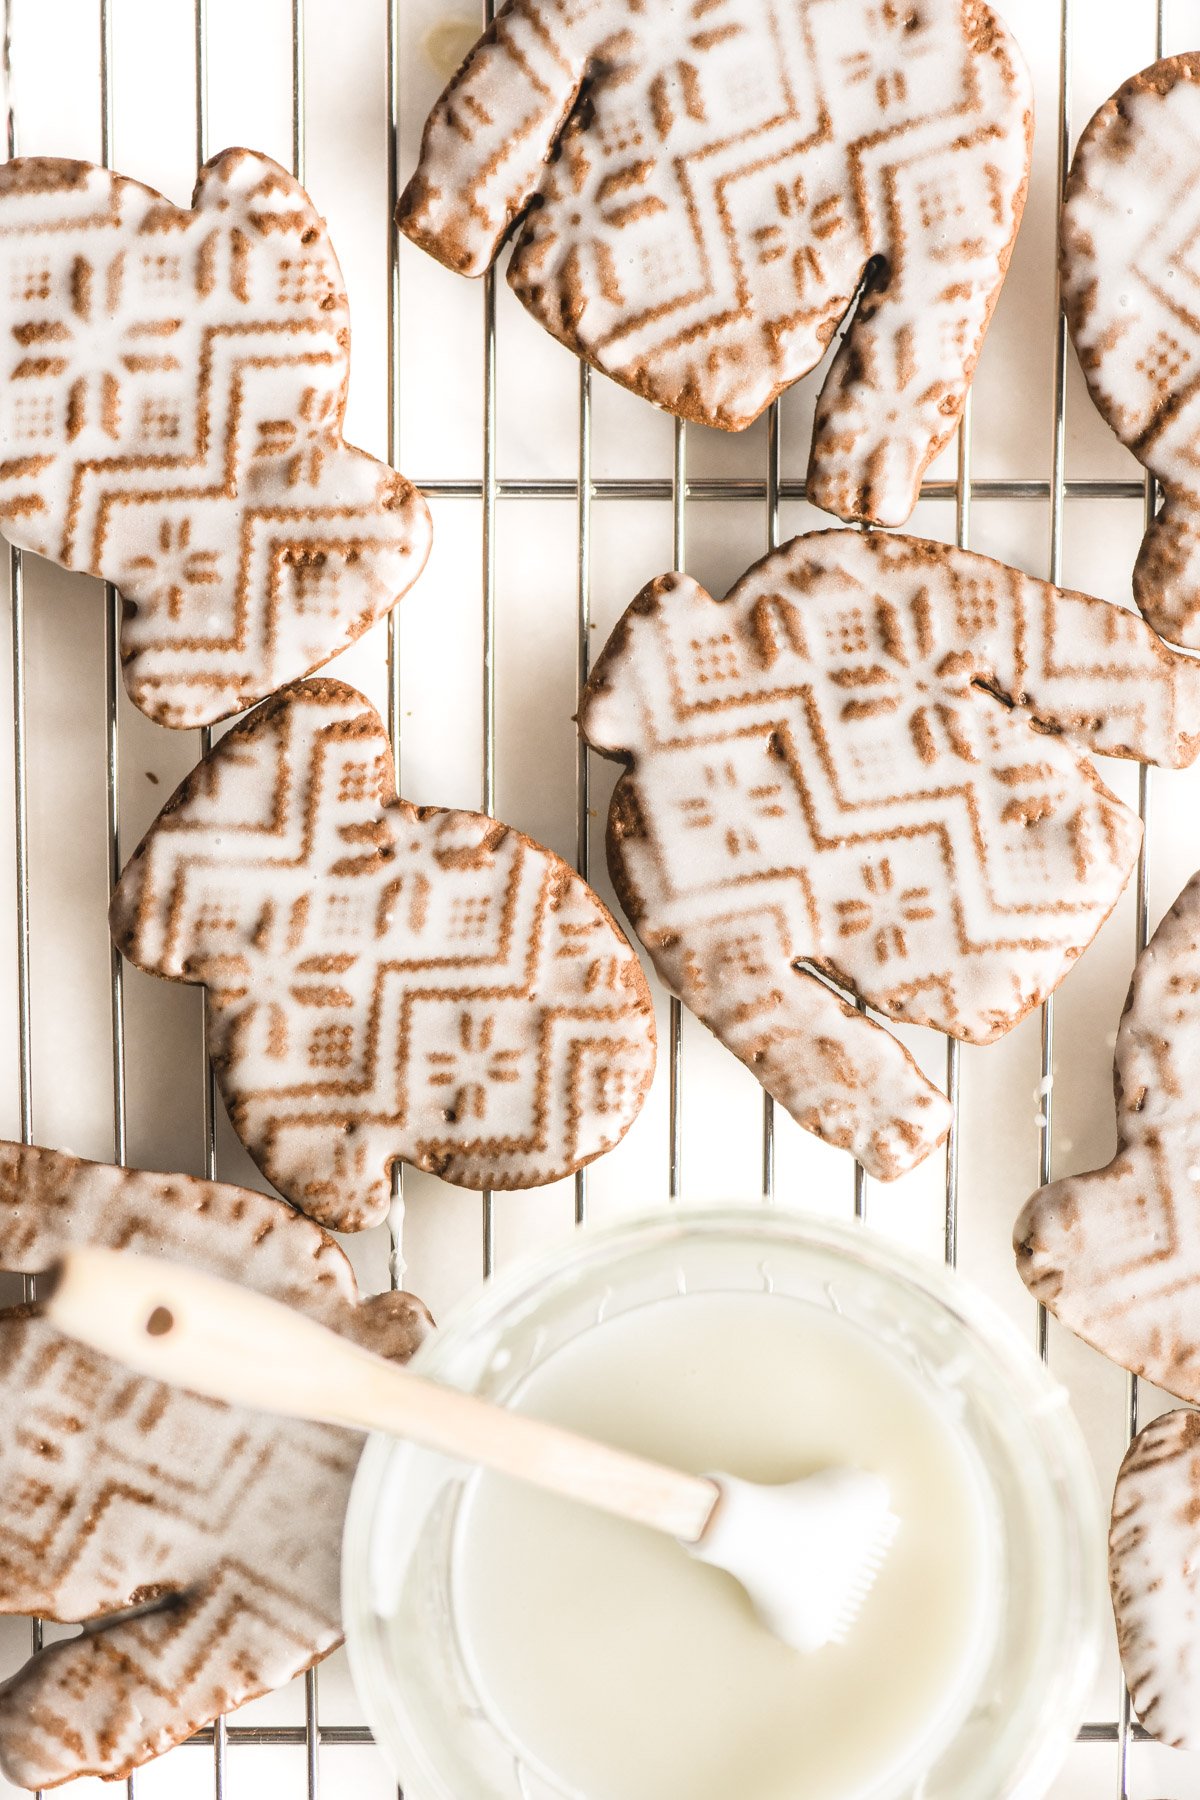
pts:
[807, 1552]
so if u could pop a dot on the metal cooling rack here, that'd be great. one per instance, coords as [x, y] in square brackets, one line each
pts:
[585, 492]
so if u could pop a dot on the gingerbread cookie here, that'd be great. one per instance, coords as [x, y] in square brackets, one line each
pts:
[701, 193]
[1130, 286]
[1115, 1254]
[171, 402]
[383, 980]
[870, 759]
[1154, 1575]
[221, 1527]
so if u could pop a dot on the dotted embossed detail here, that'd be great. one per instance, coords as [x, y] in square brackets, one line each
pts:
[881, 775]
[1131, 286]
[384, 981]
[1154, 1575]
[172, 387]
[119, 1492]
[704, 189]
[1115, 1254]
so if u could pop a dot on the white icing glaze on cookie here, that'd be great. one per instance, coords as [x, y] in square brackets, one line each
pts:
[704, 186]
[116, 1491]
[1154, 1574]
[1131, 285]
[383, 980]
[1115, 1254]
[821, 770]
[171, 398]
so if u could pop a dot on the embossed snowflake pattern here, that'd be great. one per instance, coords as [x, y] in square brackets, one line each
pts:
[94, 356]
[729, 800]
[305, 443]
[894, 40]
[174, 568]
[912, 671]
[885, 910]
[472, 1069]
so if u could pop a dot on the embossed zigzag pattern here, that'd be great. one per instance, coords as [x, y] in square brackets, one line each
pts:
[119, 1492]
[383, 980]
[172, 387]
[724, 180]
[130, 1512]
[1115, 1254]
[1154, 1575]
[838, 766]
[1131, 284]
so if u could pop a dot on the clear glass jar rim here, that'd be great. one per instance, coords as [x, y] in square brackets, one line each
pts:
[1037, 1398]
[939, 1283]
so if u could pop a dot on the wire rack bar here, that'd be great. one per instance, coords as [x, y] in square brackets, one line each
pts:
[16, 573]
[963, 497]
[1109, 1732]
[21, 845]
[112, 748]
[395, 718]
[731, 488]
[1126, 1730]
[489, 494]
[1057, 504]
[208, 1078]
[773, 540]
[583, 657]
[112, 690]
[395, 723]
[394, 706]
[281, 1736]
[16, 583]
[1104, 1731]
[299, 76]
[677, 493]
[16, 579]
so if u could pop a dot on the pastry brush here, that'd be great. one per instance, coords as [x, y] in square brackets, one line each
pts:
[806, 1552]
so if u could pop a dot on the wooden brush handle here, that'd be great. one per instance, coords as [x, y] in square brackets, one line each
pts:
[215, 1338]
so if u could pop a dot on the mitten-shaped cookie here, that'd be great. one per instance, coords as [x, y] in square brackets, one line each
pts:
[1115, 1254]
[869, 760]
[384, 981]
[1129, 283]
[220, 1528]
[1154, 1575]
[171, 400]
[703, 191]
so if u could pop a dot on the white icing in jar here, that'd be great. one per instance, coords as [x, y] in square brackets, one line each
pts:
[511, 1647]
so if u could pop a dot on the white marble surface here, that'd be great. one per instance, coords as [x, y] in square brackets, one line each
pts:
[57, 99]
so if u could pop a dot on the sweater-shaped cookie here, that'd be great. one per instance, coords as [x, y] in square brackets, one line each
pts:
[869, 759]
[703, 190]
[1131, 286]
[221, 1526]
[171, 400]
[1115, 1254]
[384, 981]
[1154, 1576]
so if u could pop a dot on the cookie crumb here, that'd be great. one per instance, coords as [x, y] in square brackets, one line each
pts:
[448, 42]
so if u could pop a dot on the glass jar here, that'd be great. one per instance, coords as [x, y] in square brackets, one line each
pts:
[412, 1677]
